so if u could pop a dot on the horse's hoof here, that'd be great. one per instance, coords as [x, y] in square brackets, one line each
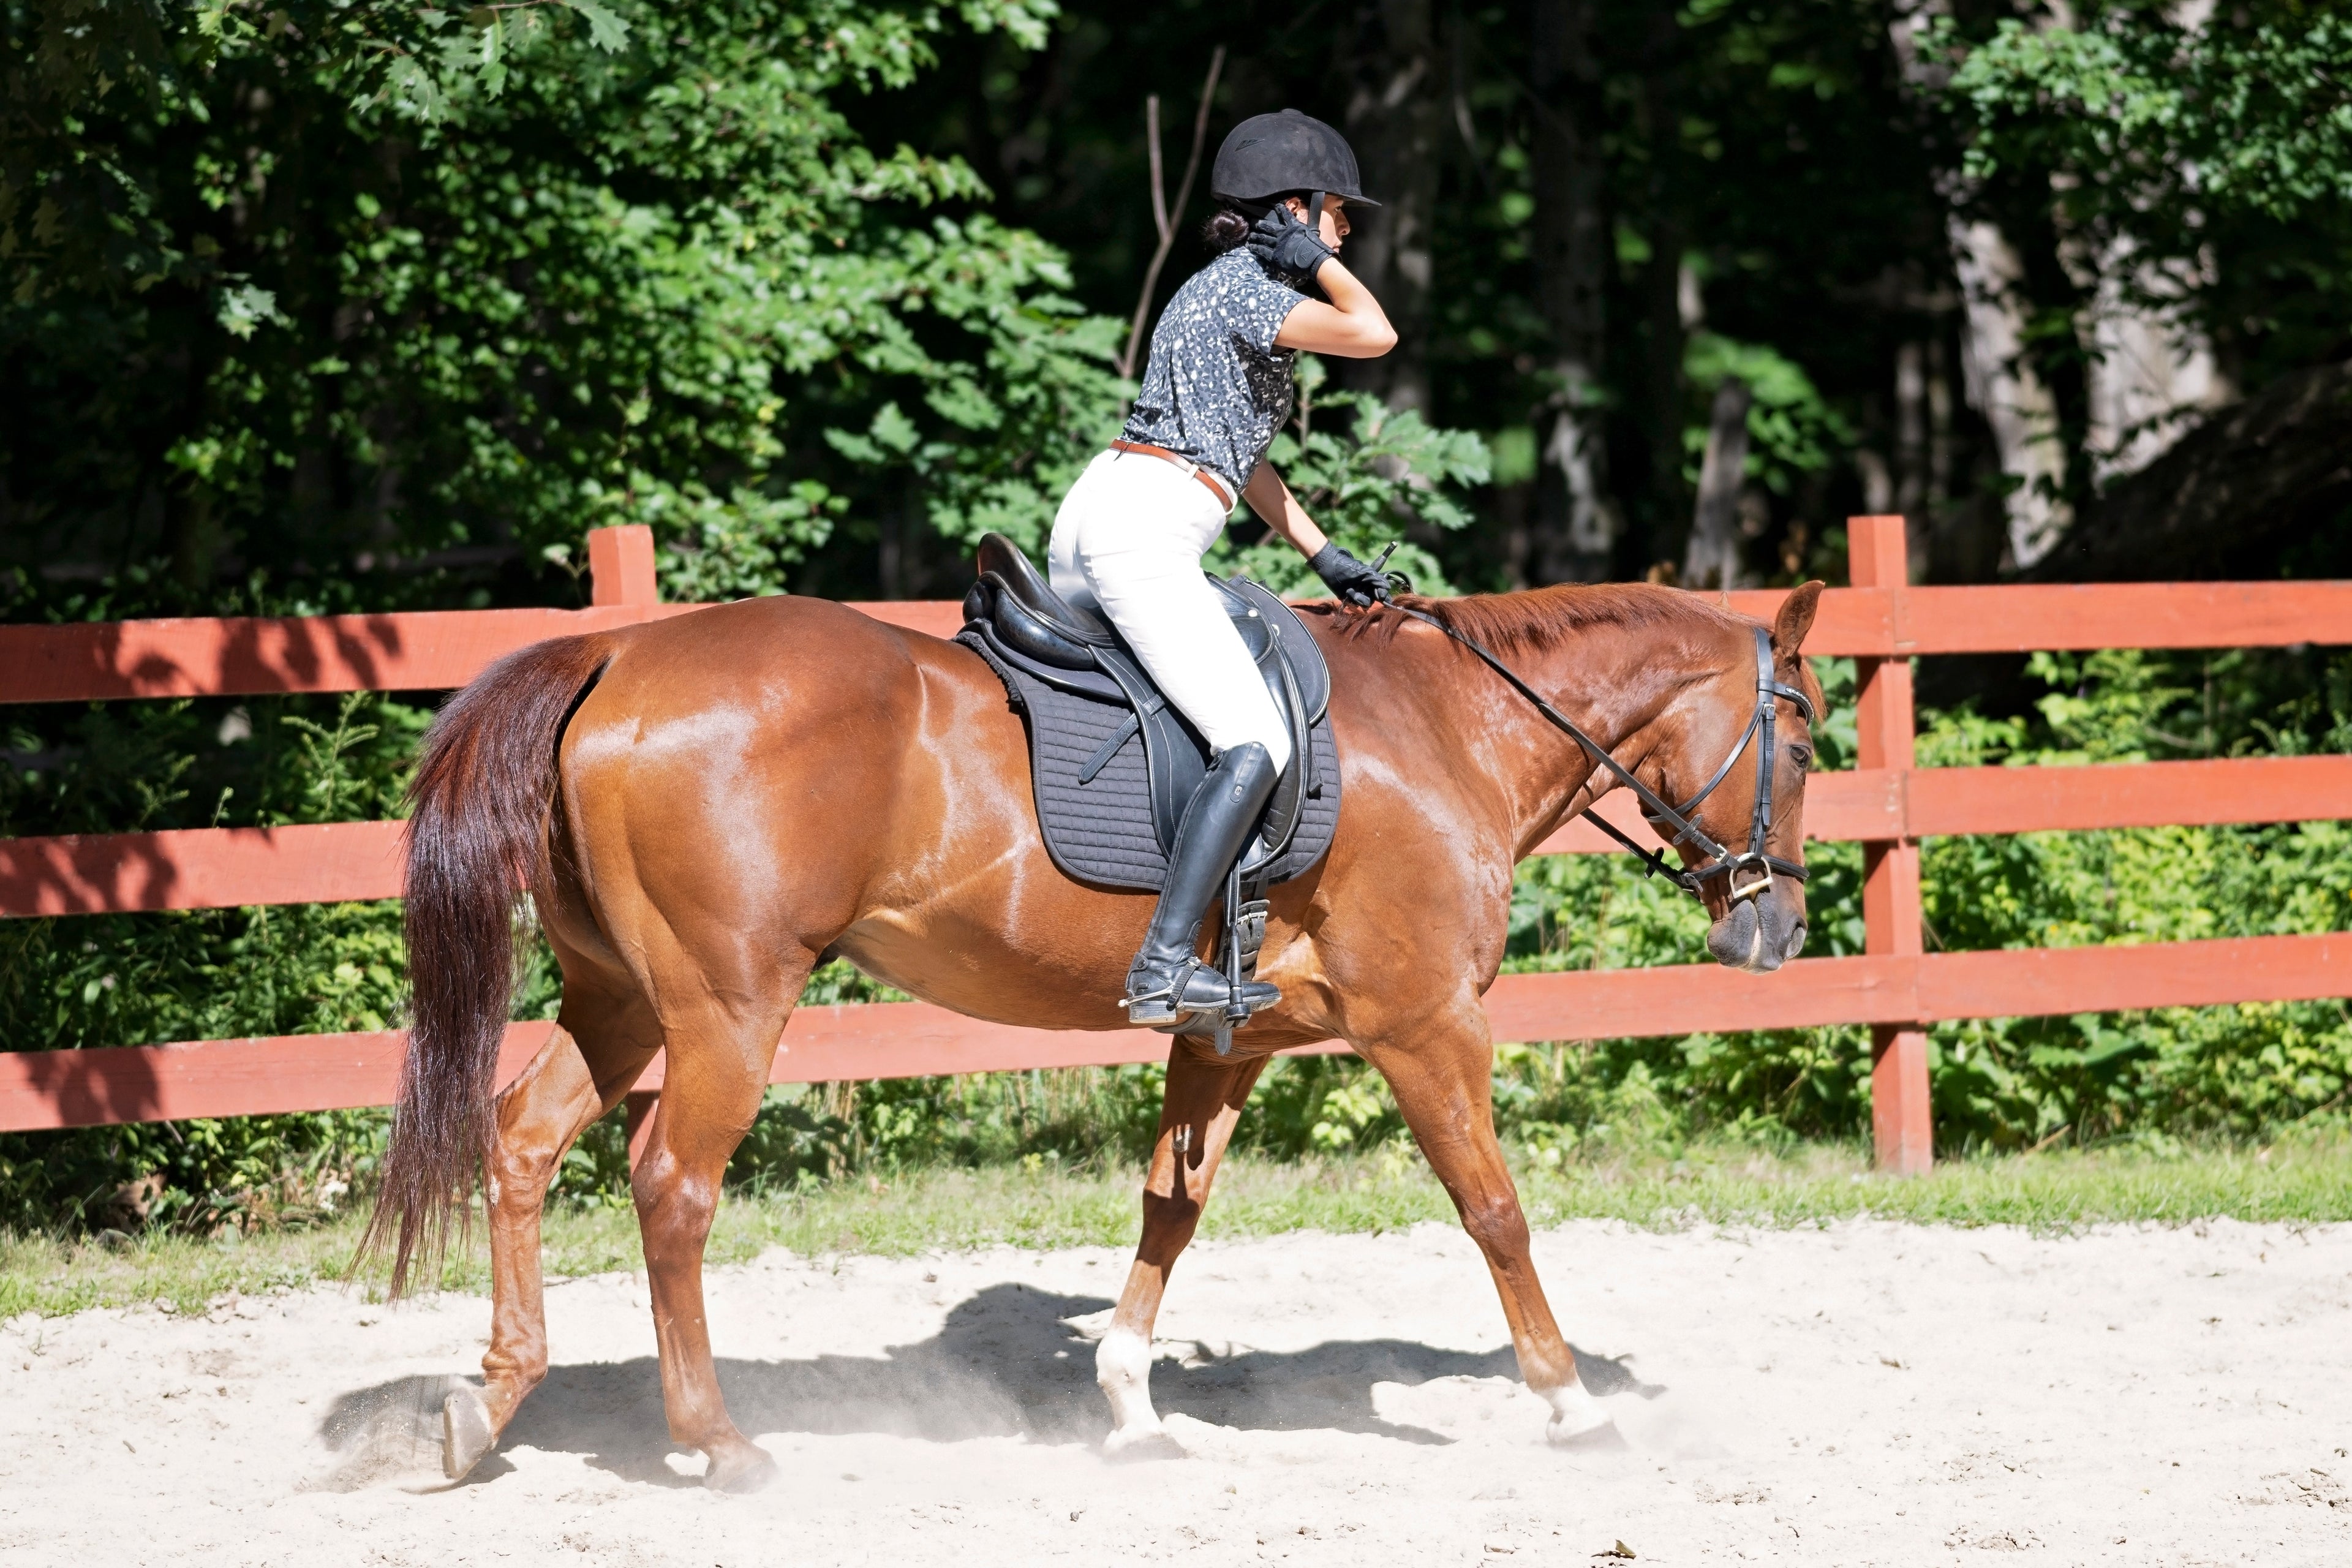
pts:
[466, 1434]
[1600, 1437]
[738, 1468]
[1141, 1444]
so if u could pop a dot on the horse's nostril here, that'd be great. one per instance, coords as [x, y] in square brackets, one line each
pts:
[1738, 937]
[1796, 943]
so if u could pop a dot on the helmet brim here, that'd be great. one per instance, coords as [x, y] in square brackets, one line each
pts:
[1345, 199]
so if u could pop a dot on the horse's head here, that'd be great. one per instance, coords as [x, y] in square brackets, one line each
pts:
[1740, 747]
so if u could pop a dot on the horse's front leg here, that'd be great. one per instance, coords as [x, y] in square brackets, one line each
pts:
[1198, 1112]
[1441, 1071]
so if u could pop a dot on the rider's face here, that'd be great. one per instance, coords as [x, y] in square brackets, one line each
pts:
[1335, 218]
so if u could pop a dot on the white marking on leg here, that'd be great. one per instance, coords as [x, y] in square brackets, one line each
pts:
[1575, 1413]
[1123, 1368]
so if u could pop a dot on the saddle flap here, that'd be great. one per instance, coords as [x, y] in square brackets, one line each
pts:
[1299, 781]
[1174, 753]
[1299, 648]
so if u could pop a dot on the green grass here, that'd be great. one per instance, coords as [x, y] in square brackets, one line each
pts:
[1044, 1206]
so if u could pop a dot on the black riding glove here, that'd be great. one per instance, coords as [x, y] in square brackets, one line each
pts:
[1352, 581]
[1283, 244]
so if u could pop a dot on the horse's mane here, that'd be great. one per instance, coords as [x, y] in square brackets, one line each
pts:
[1536, 620]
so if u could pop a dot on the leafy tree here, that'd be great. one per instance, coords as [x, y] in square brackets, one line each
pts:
[1371, 478]
[2155, 117]
[291, 288]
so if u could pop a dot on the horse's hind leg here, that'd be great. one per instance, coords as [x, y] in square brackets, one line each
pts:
[720, 1048]
[1198, 1112]
[1442, 1080]
[580, 1074]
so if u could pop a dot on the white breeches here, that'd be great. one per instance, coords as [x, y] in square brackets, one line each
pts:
[1128, 541]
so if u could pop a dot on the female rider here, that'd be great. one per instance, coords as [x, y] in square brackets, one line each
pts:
[1129, 536]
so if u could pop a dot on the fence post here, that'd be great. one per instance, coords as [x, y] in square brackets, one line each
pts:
[1901, 1125]
[620, 572]
[621, 565]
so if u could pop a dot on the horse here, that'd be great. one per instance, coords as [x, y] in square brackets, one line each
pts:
[705, 808]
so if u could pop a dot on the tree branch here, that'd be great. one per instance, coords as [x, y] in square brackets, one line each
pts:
[1159, 179]
[1161, 215]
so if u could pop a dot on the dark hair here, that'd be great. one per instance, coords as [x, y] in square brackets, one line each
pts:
[1226, 228]
[1231, 222]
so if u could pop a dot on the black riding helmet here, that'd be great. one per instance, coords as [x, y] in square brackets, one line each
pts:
[1267, 156]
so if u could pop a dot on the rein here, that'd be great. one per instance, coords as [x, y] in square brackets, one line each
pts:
[1720, 861]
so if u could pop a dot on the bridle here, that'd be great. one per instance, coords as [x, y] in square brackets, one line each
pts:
[1717, 860]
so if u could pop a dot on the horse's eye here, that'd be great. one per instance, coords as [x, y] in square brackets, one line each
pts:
[1801, 754]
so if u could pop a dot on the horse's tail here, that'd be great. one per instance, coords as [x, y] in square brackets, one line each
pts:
[479, 837]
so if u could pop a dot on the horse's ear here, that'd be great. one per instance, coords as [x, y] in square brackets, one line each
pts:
[1795, 619]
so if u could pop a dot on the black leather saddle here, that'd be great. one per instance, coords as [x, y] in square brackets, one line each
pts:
[1015, 619]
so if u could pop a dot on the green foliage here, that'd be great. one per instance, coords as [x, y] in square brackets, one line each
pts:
[1791, 432]
[2243, 1071]
[1366, 474]
[2248, 108]
[2201, 170]
[361, 275]
[87, 981]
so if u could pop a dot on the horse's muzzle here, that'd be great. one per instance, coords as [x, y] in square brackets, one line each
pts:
[1758, 934]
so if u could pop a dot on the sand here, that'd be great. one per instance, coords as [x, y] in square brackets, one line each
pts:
[1865, 1394]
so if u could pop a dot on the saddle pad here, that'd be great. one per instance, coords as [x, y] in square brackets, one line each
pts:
[1100, 831]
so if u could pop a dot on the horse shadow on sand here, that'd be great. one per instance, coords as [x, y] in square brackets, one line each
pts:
[1009, 1362]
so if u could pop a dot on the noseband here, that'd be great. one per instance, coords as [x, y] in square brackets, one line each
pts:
[1689, 836]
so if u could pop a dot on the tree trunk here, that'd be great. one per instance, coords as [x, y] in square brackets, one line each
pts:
[1576, 521]
[2019, 409]
[1911, 431]
[2228, 496]
[1714, 560]
[2003, 386]
[1394, 121]
[1670, 304]
[2152, 374]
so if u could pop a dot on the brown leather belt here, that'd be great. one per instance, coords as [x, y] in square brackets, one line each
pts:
[1182, 461]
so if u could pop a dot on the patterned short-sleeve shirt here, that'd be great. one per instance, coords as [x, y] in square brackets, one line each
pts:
[1215, 388]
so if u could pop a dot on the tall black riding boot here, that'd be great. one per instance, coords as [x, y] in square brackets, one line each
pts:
[1167, 979]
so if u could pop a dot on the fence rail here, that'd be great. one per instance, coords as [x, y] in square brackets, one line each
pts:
[432, 649]
[1887, 803]
[341, 862]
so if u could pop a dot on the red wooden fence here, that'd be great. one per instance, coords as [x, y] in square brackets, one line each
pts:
[1887, 803]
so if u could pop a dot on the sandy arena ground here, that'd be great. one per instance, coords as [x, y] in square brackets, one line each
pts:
[1864, 1395]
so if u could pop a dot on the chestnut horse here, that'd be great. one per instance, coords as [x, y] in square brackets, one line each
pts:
[706, 808]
